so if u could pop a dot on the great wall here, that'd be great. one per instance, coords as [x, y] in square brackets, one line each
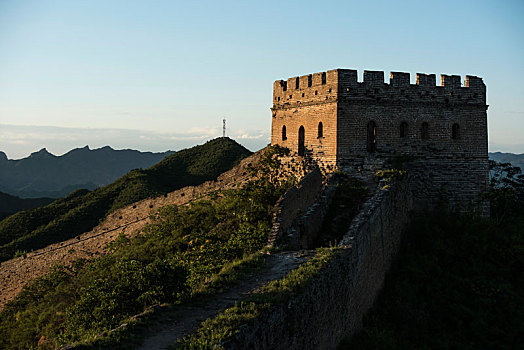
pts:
[331, 122]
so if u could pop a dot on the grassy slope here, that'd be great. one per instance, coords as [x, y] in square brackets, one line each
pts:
[82, 210]
[175, 259]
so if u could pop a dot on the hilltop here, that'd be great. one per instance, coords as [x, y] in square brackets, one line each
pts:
[82, 210]
[43, 174]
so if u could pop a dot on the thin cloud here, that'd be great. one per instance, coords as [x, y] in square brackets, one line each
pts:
[18, 141]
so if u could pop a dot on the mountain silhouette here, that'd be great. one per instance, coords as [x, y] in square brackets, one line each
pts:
[43, 174]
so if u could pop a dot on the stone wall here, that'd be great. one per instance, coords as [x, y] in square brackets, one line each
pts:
[371, 124]
[333, 304]
[322, 148]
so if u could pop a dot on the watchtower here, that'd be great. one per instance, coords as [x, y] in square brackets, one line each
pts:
[440, 132]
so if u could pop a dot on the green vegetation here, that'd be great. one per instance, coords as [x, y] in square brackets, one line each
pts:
[458, 280]
[82, 210]
[215, 331]
[506, 193]
[171, 262]
[387, 176]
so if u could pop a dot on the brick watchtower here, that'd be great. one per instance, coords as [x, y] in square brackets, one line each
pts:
[342, 123]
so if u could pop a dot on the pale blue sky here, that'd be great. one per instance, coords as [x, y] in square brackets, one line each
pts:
[125, 72]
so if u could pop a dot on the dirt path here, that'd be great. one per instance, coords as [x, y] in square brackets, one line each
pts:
[184, 320]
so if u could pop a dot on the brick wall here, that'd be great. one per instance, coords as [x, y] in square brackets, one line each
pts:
[333, 304]
[449, 159]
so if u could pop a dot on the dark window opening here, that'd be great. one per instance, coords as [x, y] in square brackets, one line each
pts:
[424, 131]
[324, 78]
[372, 137]
[302, 94]
[301, 141]
[290, 96]
[309, 80]
[284, 134]
[316, 92]
[297, 83]
[320, 130]
[329, 90]
[455, 132]
[403, 130]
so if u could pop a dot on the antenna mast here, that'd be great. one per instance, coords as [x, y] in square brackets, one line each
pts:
[224, 127]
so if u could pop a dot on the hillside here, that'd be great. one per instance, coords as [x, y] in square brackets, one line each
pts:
[172, 260]
[11, 204]
[514, 159]
[43, 174]
[82, 210]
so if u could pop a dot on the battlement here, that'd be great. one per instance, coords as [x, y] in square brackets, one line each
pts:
[343, 85]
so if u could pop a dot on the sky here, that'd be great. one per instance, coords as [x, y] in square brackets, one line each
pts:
[161, 75]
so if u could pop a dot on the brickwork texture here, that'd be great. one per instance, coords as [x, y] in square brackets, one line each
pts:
[438, 132]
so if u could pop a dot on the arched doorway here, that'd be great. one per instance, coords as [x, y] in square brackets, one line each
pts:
[301, 141]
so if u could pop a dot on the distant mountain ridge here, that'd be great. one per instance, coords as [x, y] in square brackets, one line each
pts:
[43, 174]
[514, 159]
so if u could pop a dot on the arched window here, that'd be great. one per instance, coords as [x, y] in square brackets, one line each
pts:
[301, 141]
[455, 131]
[424, 131]
[372, 137]
[403, 130]
[320, 130]
[284, 135]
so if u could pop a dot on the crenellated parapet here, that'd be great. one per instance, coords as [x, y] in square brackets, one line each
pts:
[343, 85]
[309, 88]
